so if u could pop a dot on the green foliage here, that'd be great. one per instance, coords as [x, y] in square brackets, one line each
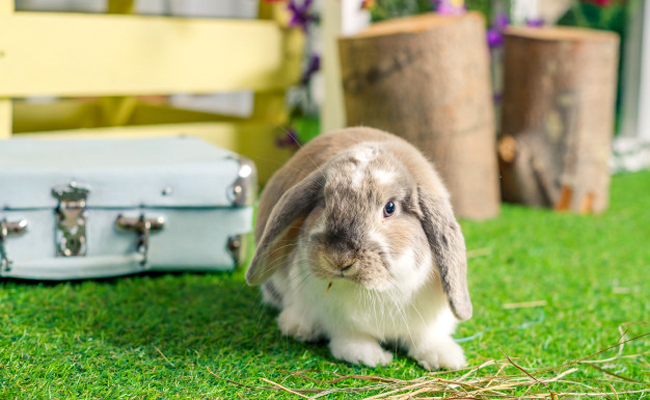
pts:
[307, 127]
[588, 15]
[156, 336]
[387, 9]
[482, 6]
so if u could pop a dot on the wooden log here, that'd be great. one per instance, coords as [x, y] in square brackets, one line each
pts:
[558, 117]
[427, 79]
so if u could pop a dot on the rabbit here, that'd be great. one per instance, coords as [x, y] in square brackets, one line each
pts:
[358, 245]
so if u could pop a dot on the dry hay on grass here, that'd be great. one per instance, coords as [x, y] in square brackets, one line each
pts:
[510, 381]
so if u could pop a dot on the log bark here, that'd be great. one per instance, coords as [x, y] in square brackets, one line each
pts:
[426, 78]
[557, 117]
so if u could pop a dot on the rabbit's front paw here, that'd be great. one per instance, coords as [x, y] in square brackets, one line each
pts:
[439, 354]
[360, 351]
[298, 326]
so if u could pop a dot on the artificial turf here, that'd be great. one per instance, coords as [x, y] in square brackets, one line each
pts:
[159, 336]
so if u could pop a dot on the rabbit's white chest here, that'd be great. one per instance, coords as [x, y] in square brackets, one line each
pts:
[406, 306]
[389, 315]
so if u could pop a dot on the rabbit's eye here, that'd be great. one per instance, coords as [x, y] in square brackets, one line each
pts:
[389, 209]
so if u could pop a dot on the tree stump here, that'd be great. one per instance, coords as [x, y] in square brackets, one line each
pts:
[427, 78]
[557, 118]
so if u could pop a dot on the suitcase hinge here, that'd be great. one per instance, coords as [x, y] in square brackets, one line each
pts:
[71, 219]
[143, 227]
[9, 229]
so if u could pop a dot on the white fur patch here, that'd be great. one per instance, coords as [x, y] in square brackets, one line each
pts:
[409, 276]
[435, 348]
[438, 351]
[366, 153]
[357, 178]
[378, 238]
[319, 227]
[296, 322]
[360, 350]
[384, 177]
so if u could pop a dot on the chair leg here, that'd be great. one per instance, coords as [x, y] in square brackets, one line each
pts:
[120, 6]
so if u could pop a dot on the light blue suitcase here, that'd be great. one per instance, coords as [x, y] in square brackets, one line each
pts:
[72, 209]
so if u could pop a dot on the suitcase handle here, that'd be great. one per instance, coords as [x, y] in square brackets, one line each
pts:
[64, 268]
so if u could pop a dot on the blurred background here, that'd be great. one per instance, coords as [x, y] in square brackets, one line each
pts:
[533, 102]
[255, 77]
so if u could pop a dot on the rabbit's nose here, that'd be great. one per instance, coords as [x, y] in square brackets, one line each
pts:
[346, 265]
[342, 265]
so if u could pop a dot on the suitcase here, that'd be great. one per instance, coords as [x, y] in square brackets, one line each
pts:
[74, 209]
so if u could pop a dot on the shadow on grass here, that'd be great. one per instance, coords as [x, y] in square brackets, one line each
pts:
[210, 315]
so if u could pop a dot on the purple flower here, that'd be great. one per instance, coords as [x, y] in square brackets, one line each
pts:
[494, 38]
[300, 15]
[501, 21]
[449, 7]
[312, 68]
[535, 23]
[289, 140]
[602, 3]
[495, 33]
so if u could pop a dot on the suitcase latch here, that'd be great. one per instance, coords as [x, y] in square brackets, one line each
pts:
[143, 227]
[235, 248]
[9, 229]
[71, 219]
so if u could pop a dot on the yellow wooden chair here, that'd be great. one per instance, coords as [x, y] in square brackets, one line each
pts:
[107, 59]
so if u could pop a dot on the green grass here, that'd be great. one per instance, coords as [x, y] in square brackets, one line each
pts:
[156, 336]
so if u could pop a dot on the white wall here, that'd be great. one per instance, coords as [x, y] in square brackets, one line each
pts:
[643, 128]
[340, 17]
[632, 147]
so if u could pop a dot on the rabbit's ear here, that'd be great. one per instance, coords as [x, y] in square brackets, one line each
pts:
[294, 205]
[448, 249]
